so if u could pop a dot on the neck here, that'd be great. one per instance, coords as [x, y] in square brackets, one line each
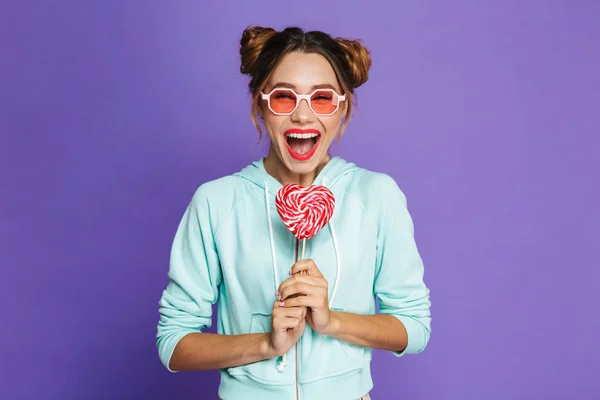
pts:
[277, 169]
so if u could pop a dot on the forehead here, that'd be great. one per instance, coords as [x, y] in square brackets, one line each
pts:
[304, 70]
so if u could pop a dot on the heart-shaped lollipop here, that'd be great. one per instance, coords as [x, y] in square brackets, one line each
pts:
[304, 210]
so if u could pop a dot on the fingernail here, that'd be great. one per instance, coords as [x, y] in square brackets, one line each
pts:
[281, 304]
[290, 272]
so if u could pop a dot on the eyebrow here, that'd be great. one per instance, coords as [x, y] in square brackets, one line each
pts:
[291, 86]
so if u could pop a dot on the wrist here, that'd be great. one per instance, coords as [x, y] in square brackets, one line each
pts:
[265, 348]
[333, 328]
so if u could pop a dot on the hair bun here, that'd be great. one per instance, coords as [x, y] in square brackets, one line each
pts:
[358, 58]
[253, 41]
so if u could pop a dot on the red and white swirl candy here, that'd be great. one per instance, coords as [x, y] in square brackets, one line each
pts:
[305, 210]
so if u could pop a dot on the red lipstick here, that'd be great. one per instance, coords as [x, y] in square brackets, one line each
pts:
[309, 154]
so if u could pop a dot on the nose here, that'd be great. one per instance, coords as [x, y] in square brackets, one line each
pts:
[303, 114]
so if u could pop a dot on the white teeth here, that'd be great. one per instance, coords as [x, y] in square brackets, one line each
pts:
[302, 135]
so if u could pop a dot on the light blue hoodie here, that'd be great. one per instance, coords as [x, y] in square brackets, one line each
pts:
[232, 246]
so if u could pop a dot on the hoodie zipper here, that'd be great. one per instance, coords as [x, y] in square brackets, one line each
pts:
[297, 388]
[297, 394]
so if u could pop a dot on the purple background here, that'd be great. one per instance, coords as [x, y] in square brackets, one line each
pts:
[486, 113]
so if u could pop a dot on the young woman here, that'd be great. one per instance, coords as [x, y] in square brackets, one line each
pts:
[292, 329]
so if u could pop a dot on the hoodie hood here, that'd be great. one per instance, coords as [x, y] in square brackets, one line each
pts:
[333, 171]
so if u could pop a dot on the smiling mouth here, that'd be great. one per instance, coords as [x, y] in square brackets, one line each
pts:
[302, 146]
[302, 143]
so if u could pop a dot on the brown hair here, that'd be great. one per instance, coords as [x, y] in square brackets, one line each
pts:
[263, 48]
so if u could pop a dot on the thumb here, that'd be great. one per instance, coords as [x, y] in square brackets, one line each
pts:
[302, 324]
[304, 312]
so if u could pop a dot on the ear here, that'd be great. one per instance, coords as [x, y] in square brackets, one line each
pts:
[339, 135]
[345, 107]
[260, 110]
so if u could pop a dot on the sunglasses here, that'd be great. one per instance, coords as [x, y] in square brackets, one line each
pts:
[323, 102]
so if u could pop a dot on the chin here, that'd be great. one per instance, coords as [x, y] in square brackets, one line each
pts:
[302, 167]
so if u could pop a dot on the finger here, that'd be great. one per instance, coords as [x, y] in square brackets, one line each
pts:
[279, 308]
[299, 289]
[300, 324]
[290, 312]
[303, 310]
[306, 301]
[303, 266]
[279, 311]
[276, 308]
[287, 323]
[311, 280]
[307, 266]
[307, 280]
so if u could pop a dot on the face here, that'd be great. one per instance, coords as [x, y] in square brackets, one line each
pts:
[301, 140]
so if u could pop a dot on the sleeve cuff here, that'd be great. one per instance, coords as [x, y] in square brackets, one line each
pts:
[418, 336]
[167, 347]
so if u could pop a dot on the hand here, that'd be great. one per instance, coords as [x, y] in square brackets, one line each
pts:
[308, 287]
[287, 325]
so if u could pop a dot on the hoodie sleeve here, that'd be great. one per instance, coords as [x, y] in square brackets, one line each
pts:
[194, 277]
[399, 284]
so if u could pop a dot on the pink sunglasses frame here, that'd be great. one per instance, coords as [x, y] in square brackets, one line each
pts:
[300, 97]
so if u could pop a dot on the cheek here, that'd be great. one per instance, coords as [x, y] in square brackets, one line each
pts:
[273, 124]
[332, 125]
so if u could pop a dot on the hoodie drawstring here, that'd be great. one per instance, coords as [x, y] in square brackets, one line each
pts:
[283, 363]
[274, 257]
[337, 256]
